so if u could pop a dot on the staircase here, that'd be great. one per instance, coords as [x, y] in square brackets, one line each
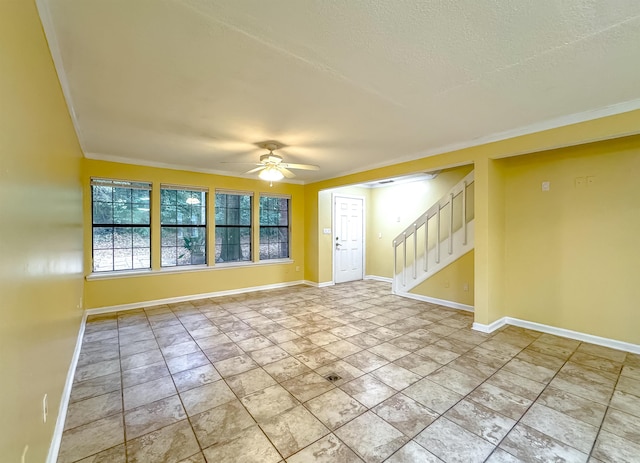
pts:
[441, 235]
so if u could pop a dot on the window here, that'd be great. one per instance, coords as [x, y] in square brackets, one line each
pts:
[274, 227]
[233, 227]
[121, 225]
[183, 226]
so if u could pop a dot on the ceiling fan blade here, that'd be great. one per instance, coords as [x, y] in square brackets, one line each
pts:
[300, 166]
[286, 172]
[257, 169]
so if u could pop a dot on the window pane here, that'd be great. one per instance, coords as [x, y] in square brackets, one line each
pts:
[140, 215]
[103, 260]
[274, 229]
[102, 212]
[233, 231]
[183, 214]
[141, 237]
[102, 238]
[141, 257]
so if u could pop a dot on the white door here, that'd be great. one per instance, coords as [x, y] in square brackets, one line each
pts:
[348, 239]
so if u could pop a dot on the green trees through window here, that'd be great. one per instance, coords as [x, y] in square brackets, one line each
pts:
[183, 227]
[121, 225]
[274, 227]
[233, 227]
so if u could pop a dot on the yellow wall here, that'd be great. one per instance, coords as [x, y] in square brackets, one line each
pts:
[572, 253]
[449, 283]
[406, 202]
[161, 284]
[40, 235]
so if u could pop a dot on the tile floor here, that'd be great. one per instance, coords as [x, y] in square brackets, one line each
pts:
[242, 379]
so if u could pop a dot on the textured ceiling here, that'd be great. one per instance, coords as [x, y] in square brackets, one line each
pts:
[347, 85]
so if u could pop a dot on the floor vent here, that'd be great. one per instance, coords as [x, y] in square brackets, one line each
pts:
[332, 377]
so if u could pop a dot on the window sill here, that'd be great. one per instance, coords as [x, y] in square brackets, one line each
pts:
[183, 269]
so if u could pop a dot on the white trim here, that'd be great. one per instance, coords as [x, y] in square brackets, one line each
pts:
[490, 328]
[191, 297]
[324, 284]
[585, 337]
[54, 448]
[378, 278]
[433, 300]
[183, 269]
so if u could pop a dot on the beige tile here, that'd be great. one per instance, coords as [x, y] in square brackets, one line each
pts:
[528, 444]
[297, 346]
[250, 381]
[187, 362]
[438, 354]
[344, 370]
[95, 387]
[623, 425]
[335, 408]
[368, 390]
[516, 384]
[582, 409]
[459, 382]
[255, 343]
[628, 385]
[268, 355]
[366, 361]
[632, 372]
[342, 348]
[144, 374]
[222, 352]
[599, 363]
[500, 456]
[195, 377]
[388, 351]
[211, 342]
[307, 386]
[626, 402]
[205, 397]
[322, 338]
[395, 376]
[115, 454]
[177, 350]
[544, 360]
[412, 452]
[405, 414]
[91, 438]
[197, 458]
[500, 400]
[612, 448]
[480, 420]
[454, 345]
[452, 443]
[235, 365]
[315, 358]
[473, 367]
[561, 427]
[371, 437]
[529, 370]
[286, 368]
[153, 416]
[141, 360]
[248, 446]
[97, 369]
[269, 402]
[293, 430]
[418, 364]
[329, 449]
[92, 409]
[221, 424]
[565, 343]
[489, 357]
[145, 393]
[172, 443]
[432, 395]
[603, 352]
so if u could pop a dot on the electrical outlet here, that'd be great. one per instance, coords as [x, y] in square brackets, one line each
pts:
[45, 408]
[546, 186]
[579, 182]
[590, 180]
[23, 458]
[465, 287]
[446, 284]
[297, 268]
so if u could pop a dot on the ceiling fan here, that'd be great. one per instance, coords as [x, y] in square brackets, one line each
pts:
[271, 166]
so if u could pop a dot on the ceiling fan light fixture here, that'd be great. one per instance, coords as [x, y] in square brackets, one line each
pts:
[271, 174]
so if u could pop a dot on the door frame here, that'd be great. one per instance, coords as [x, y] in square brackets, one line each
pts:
[333, 232]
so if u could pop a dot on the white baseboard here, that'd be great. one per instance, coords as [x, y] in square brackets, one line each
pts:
[433, 300]
[378, 278]
[324, 284]
[192, 297]
[54, 448]
[590, 338]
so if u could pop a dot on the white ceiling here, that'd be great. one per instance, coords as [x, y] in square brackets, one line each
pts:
[347, 85]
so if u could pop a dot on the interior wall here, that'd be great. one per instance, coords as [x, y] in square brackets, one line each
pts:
[453, 283]
[40, 235]
[572, 253]
[394, 207]
[165, 283]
